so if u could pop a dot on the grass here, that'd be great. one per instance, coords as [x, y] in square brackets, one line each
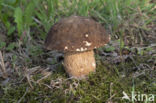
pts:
[36, 14]
[24, 25]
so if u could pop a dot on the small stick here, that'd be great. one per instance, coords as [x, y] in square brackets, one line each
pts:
[28, 77]
[49, 73]
[29, 82]
[3, 66]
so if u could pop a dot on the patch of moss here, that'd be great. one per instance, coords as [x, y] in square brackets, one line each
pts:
[107, 84]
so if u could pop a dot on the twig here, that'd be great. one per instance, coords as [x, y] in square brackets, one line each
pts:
[36, 20]
[110, 98]
[19, 101]
[28, 77]
[47, 86]
[49, 73]
[3, 66]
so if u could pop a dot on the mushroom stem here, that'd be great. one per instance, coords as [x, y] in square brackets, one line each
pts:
[79, 64]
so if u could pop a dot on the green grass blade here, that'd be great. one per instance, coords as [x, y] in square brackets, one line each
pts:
[18, 15]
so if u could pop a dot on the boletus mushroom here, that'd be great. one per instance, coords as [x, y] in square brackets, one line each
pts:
[77, 36]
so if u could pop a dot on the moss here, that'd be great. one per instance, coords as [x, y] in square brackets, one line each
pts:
[97, 88]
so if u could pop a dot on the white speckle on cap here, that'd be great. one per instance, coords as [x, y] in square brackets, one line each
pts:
[95, 47]
[85, 49]
[65, 47]
[87, 43]
[93, 64]
[82, 49]
[86, 35]
[77, 49]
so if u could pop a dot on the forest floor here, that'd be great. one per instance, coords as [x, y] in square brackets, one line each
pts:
[127, 65]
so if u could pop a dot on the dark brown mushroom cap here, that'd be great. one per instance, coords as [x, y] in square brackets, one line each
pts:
[76, 33]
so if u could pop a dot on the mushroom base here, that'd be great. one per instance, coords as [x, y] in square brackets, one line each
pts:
[79, 64]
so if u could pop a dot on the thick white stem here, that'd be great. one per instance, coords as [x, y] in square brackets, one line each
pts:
[79, 64]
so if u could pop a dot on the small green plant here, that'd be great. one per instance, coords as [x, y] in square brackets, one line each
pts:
[109, 48]
[2, 45]
[18, 20]
[11, 46]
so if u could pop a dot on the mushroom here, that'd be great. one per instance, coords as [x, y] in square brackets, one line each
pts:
[77, 36]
